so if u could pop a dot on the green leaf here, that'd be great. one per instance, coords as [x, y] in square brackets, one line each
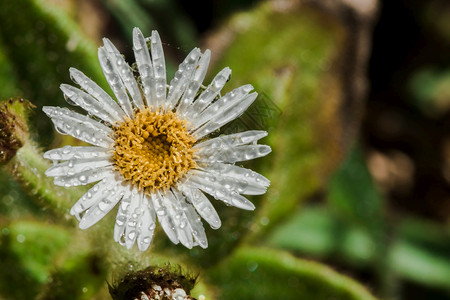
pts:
[151, 15]
[315, 231]
[354, 199]
[430, 90]
[263, 273]
[419, 251]
[28, 250]
[8, 77]
[352, 194]
[80, 276]
[422, 252]
[40, 43]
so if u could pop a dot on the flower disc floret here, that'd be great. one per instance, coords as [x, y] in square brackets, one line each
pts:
[154, 150]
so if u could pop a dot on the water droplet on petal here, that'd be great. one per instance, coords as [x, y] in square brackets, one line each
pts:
[131, 235]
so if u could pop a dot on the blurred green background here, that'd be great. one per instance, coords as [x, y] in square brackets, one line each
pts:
[355, 96]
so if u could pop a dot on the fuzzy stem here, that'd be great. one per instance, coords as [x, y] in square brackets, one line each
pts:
[28, 167]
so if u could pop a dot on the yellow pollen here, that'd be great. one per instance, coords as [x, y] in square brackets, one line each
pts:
[154, 150]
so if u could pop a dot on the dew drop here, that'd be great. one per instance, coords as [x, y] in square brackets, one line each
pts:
[82, 179]
[132, 235]
[122, 239]
[124, 205]
[252, 266]
[60, 130]
[66, 149]
[103, 205]
[21, 238]
[69, 100]
[182, 224]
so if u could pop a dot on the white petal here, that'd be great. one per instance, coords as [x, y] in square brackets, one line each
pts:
[110, 198]
[235, 154]
[88, 103]
[145, 67]
[146, 224]
[208, 95]
[84, 177]
[195, 81]
[134, 214]
[217, 119]
[93, 196]
[79, 152]
[198, 231]
[75, 166]
[244, 181]
[228, 141]
[125, 74]
[182, 78]
[201, 203]
[218, 107]
[164, 217]
[123, 215]
[175, 208]
[193, 221]
[114, 81]
[219, 190]
[232, 148]
[97, 92]
[159, 67]
[79, 126]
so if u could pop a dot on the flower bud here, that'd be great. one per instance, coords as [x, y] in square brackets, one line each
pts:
[154, 283]
[13, 127]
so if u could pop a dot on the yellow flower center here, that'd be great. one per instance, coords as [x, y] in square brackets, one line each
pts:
[154, 150]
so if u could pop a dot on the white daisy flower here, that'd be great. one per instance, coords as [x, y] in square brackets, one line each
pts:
[150, 150]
